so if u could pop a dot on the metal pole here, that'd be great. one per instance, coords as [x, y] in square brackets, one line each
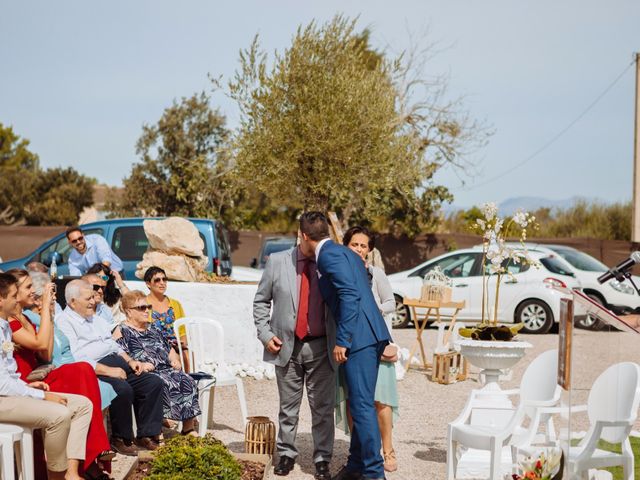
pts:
[635, 221]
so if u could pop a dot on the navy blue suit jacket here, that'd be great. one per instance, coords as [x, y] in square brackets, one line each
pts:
[345, 287]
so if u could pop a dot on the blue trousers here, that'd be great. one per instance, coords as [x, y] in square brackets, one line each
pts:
[361, 373]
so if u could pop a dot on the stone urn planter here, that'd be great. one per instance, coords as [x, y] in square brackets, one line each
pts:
[492, 357]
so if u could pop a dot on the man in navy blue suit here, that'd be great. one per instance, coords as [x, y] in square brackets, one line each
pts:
[361, 335]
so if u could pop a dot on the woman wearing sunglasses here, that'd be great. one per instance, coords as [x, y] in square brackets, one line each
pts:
[164, 310]
[38, 347]
[149, 346]
[113, 289]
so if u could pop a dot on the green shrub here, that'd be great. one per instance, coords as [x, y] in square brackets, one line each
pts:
[188, 458]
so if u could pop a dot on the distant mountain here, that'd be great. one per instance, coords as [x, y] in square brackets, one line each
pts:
[512, 205]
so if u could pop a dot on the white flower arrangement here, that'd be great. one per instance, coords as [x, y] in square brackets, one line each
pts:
[258, 371]
[500, 254]
[8, 346]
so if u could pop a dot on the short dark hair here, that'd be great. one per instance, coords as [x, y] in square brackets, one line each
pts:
[6, 280]
[314, 225]
[359, 229]
[70, 230]
[151, 271]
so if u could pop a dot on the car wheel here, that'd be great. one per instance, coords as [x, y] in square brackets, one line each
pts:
[535, 315]
[591, 322]
[401, 317]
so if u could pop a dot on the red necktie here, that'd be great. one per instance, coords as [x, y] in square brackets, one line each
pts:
[302, 322]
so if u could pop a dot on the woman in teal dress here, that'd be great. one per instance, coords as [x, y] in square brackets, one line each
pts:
[360, 240]
[61, 349]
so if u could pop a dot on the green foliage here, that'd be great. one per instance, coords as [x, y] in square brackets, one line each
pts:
[183, 169]
[39, 197]
[328, 126]
[187, 458]
[587, 220]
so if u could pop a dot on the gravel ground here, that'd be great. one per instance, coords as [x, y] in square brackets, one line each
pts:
[425, 407]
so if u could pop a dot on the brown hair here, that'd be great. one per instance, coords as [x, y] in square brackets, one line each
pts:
[129, 299]
[19, 274]
[70, 230]
[348, 235]
[6, 280]
[314, 225]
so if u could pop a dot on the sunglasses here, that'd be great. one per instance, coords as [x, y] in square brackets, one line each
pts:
[77, 240]
[142, 308]
[104, 278]
[160, 280]
[97, 288]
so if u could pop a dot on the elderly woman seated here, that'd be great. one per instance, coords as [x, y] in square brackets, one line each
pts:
[149, 346]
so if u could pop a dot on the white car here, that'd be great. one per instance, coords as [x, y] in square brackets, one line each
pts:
[612, 294]
[529, 297]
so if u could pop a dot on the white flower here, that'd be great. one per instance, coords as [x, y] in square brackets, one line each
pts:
[520, 218]
[489, 210]
[7, 346]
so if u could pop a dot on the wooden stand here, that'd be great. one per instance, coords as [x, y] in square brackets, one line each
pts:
[259, 436]
[449, 368]
[421, 323]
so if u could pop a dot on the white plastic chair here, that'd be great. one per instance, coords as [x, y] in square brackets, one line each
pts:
[9, 435]
[205, 338]
[482, 426]
[612, 408]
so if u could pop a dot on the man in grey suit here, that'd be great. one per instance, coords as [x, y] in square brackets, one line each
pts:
[298, 338]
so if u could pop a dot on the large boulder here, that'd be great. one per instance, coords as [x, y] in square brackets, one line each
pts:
[174, 235]
[177, 267]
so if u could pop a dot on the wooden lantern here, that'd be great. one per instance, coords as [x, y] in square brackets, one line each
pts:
[260, 436]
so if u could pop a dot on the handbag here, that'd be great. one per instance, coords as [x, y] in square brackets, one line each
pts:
[40, 372]
[390, 353]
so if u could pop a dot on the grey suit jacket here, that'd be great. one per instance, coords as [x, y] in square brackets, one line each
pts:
[278, 286]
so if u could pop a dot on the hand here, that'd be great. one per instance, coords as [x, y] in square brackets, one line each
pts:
[48, 295]
[147, 367]
[340, 354]
[136, 367]
[175, 363]
[116, 277]
[55, 398]
[274, 345]
[116, 372]
[40, 386]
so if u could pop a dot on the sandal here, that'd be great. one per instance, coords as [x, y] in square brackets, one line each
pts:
[106, 455]
[390, 461]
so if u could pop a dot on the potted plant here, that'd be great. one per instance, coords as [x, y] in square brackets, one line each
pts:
[490, 346]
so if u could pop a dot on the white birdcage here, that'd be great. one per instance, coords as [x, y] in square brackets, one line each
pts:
[436, 286]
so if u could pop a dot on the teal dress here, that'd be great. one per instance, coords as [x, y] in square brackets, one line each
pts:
[62, 355]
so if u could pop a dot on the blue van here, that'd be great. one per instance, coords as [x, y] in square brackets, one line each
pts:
[127, 239]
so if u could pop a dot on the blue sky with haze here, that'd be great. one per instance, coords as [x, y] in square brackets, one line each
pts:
[80, 78]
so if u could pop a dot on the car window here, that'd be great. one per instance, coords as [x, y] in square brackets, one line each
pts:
[130, 243]
[554, 265]
[582, 261]
[454, 266]
[509, 265]
[62, 247]
[222, 242]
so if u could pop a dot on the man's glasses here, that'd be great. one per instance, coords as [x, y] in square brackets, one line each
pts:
[142, 308]
[160, 280]
[77, 240]
[97, 288]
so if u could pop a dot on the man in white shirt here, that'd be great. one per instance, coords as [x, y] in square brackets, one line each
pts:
[90, 341]
[89, 250]
[64, 418]
[99, 285]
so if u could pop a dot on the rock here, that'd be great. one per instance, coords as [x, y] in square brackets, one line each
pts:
[174, 235]
[177, 267]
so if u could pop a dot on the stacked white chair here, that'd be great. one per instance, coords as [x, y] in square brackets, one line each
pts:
[9, 435]
[205, 338]
[482, 426]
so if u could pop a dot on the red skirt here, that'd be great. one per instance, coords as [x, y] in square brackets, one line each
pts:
[80, 378]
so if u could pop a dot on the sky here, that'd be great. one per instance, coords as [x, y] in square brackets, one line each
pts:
[79, 79]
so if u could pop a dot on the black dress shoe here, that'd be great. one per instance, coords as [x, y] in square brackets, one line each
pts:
[285, 465]
[345, 474]
[322, 471]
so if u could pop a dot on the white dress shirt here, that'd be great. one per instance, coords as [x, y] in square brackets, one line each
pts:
[319, 246]
[89, 338]
[10, 382]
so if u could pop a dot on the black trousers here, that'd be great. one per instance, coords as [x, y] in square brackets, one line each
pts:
[143, 391]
